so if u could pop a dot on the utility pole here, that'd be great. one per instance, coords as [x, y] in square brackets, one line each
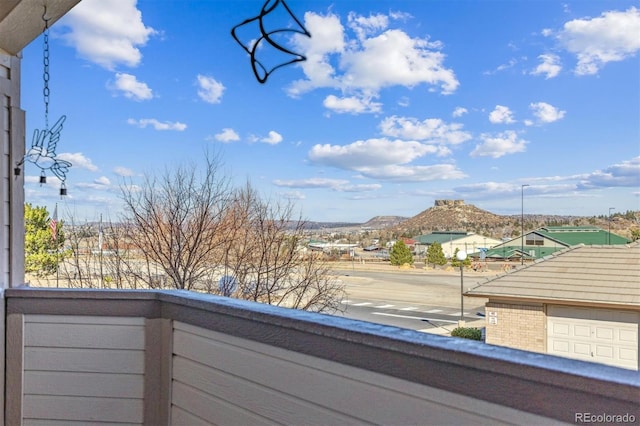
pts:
[100, 241]
[522, 224]
[610, 208]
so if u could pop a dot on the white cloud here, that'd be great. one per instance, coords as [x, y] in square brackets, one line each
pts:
[227, 135]
[365, 26]
[292, 195]
[501, 114]
[546, 113]
[499, 145]
[512, 62]
[459, 112]
[351, 104]
[132, 88]
[363, 187]
[431, 129]
[393, 58]
[210, 90]
[101, 183]
[401, 173]
[157, 125]
[625, 174]
[123, 171]
[103, 180]
[311, 183]
[77, 159]
[549, 66]
[376, 57]
[108, 32]
[369, 153]
[274, 138]
[613, 36]
[340, 185]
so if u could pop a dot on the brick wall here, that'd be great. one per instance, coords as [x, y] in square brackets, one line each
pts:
[516, 325]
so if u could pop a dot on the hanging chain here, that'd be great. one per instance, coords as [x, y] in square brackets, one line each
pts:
[45, 75]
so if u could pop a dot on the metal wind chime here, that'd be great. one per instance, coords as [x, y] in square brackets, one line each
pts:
[268, 38]
[43, 146]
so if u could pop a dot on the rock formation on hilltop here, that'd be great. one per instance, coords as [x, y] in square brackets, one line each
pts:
[455, 215]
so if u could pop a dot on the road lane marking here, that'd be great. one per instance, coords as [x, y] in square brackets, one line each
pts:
[412, 317]
[362, 304]
[409, 308]
[383, 306]
[433, 311]
[345, 301]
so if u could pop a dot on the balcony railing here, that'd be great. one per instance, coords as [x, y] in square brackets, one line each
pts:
[174, 357]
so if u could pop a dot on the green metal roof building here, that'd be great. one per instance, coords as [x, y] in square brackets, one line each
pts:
[548, 240]
[440, 237]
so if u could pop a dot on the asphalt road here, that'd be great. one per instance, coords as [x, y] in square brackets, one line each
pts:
[413, 299]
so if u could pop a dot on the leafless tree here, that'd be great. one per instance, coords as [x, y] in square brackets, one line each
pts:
[175, 220]
[203, 235]
[78, 270]
[267, 258]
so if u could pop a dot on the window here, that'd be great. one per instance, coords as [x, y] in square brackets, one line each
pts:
[534, 240]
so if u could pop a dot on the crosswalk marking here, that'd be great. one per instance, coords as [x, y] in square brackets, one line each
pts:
[412, 317]
[382, 305]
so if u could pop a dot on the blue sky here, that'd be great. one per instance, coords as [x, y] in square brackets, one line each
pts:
[398, 104]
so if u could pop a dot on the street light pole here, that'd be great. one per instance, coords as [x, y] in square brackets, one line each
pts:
[461, 256]
[610, 208]
[522, 224]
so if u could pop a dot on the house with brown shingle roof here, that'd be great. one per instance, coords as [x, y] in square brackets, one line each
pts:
[582, 303]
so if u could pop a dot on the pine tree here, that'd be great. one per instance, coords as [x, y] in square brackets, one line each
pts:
[435, 255]
[42, 244]
[456, 263]
[400, 254]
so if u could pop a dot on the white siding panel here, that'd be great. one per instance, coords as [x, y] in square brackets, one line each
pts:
[216, 410]
[313, 386]
[83, 369]
[84, 336]
[83, 409]
[180, 417]
[35, 422]
[277, 406]
[85, 360]
[112, 385]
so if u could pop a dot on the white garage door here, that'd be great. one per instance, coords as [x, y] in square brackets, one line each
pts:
[598, 335]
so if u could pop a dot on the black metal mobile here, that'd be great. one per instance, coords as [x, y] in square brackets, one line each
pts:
[43, 145]
[266, 34]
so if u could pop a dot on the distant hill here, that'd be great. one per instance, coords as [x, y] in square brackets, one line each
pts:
[455, 215]
[377, 223]
[383, 222]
